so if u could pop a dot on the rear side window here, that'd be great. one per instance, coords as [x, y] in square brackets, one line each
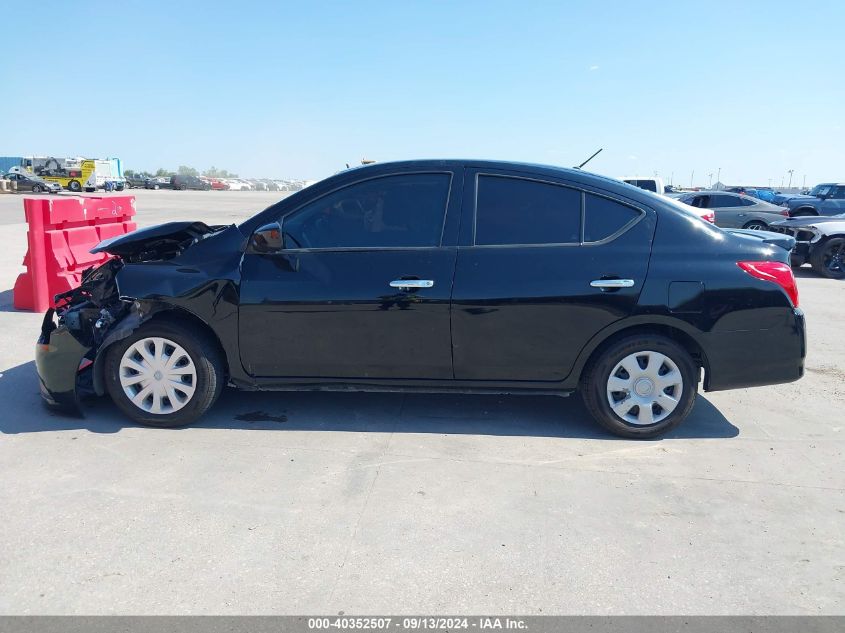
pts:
[517, 211]
[718, 201]
[604, 217]
[746, 202]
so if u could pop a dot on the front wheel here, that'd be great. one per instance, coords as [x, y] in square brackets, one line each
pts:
[828, 258]
[641, 386]
[164, 374]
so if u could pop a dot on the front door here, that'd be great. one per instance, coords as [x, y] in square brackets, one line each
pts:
[542, 268]
[361, 288]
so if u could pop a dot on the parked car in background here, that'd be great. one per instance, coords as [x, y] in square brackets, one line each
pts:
[34, 184]
[824, 199]
[457, 276]
[217, 184]
[236, 184]
[257, 185]
[189, 182]
[761, 193]
[655, 185]
[735, 210]
[819, 241]
[136, 181]
[160, 182]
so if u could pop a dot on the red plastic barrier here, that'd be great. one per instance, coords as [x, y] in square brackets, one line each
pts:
[61, 234]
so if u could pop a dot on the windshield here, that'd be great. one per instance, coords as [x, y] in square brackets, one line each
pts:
[821, 190]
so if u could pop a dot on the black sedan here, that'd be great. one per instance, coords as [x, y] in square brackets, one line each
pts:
[431, 275]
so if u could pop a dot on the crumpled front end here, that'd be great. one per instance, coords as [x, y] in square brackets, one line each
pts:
[88, 319]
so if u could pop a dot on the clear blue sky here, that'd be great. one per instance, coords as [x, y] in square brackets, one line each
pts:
[298, 89]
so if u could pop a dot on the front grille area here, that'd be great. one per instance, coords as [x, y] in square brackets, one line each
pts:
[800, 235]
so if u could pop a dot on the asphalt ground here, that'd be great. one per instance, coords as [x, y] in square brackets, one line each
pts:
[297, 503]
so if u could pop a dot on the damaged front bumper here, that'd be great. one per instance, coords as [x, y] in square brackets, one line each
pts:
[63, 365]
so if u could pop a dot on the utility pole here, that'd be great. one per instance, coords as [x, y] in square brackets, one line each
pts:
[781, 182]
[789, 171]
[770, 183]
[672, 179]
[690, 178]
[710, 183]
[719, 176]
[804, 183]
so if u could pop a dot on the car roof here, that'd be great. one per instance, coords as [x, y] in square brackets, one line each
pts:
[455, 163]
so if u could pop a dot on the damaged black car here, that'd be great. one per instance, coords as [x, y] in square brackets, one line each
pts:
[432, 276]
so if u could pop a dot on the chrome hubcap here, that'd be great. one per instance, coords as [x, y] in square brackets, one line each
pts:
[644, 388]
[157, 375]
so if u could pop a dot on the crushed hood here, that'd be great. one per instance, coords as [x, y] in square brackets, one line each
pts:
[161, 241]
[808, 220]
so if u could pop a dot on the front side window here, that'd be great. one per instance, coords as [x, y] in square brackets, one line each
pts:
[405, 210]
[518, 211]
[839, 194]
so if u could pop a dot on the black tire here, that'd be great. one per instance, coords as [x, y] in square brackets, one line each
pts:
[204, 353]
[598, 371]
[803, 213]
[127, 185]
[36, 188]
[757, 225]
[183, 187]
[74, 186]
[828, 258]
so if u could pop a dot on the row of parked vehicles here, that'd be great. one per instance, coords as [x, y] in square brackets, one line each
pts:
[816, 219]
[205, 183]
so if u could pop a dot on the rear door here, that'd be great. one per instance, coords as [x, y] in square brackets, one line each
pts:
[544, 265]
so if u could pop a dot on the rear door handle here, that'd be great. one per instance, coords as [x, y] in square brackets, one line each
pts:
[612, 283]
[407, 284]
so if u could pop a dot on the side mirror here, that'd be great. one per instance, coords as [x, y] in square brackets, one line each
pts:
[267, 239]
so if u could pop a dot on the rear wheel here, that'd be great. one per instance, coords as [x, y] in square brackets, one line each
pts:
[641, 386]
[74, 186]
[183, 187]
[164, 374]
[36, 188]
[756, 225]
[828, 258]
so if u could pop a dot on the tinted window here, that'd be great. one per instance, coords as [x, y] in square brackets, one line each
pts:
[516, 211]
[394, 211]
[719, 200]
[746, 202]
[603, 217]
[839, 194]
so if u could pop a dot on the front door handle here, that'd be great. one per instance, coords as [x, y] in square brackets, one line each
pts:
[612, 283]
[408, 284]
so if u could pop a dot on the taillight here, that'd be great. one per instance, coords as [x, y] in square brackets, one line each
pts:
[710, 217]
[776, 272]
[785, 212]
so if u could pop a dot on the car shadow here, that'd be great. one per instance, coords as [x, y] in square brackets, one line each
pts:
[451, 414]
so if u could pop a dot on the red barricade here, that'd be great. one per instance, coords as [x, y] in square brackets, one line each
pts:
[62, 231]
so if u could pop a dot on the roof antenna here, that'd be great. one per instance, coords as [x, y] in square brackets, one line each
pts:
[589, 159]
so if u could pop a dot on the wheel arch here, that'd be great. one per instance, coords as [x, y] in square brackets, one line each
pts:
[674, 329]
[159, 313]
[806, 210]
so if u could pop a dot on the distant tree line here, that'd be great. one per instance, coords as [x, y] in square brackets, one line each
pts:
[182, 170]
